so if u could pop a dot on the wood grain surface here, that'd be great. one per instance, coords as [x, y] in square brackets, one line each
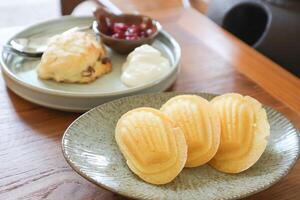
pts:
[31, 162]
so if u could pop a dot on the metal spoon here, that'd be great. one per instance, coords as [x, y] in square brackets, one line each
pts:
[20, 45]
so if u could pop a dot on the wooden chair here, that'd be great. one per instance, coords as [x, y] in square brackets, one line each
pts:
[67, 6]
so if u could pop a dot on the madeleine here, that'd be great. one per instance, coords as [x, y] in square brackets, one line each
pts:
[153, 145]
[200, 125]
[244, 132]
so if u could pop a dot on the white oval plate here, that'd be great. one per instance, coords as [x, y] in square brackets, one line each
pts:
[90, 148]
[20, 73]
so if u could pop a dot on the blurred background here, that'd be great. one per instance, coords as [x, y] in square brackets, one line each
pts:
[26, 12]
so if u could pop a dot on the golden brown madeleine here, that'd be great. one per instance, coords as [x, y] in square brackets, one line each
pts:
[153, 145]
[200, 125]
[244, 132]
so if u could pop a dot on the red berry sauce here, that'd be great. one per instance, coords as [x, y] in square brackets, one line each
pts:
[129, 32]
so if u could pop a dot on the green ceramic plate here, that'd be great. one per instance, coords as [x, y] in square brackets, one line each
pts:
[21, 77]
[90, 148]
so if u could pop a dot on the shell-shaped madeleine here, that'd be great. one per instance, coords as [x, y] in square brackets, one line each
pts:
[153, 145]
[244, 132]
[200, 125]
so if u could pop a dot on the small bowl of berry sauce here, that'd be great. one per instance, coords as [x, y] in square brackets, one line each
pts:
[124, 32]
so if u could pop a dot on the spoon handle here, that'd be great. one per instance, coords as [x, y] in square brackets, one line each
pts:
[10, 49]
[82, 28]
[18, 49]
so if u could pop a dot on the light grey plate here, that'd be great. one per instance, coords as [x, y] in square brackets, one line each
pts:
[90, 148]
[21, 77]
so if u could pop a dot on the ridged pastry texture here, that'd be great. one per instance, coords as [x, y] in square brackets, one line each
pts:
[244, 132]
[200, 125]
[153, 145]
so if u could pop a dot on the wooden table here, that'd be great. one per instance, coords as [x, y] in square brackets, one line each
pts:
[31, 162]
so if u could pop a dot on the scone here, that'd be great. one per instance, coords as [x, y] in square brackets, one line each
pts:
[74, 57]
[244, 132]
[152, 144]
[200, 125]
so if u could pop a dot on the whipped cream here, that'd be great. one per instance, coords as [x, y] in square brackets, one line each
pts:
[144, 65]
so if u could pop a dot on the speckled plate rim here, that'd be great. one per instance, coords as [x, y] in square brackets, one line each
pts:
[175, 67]
[276, 180]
